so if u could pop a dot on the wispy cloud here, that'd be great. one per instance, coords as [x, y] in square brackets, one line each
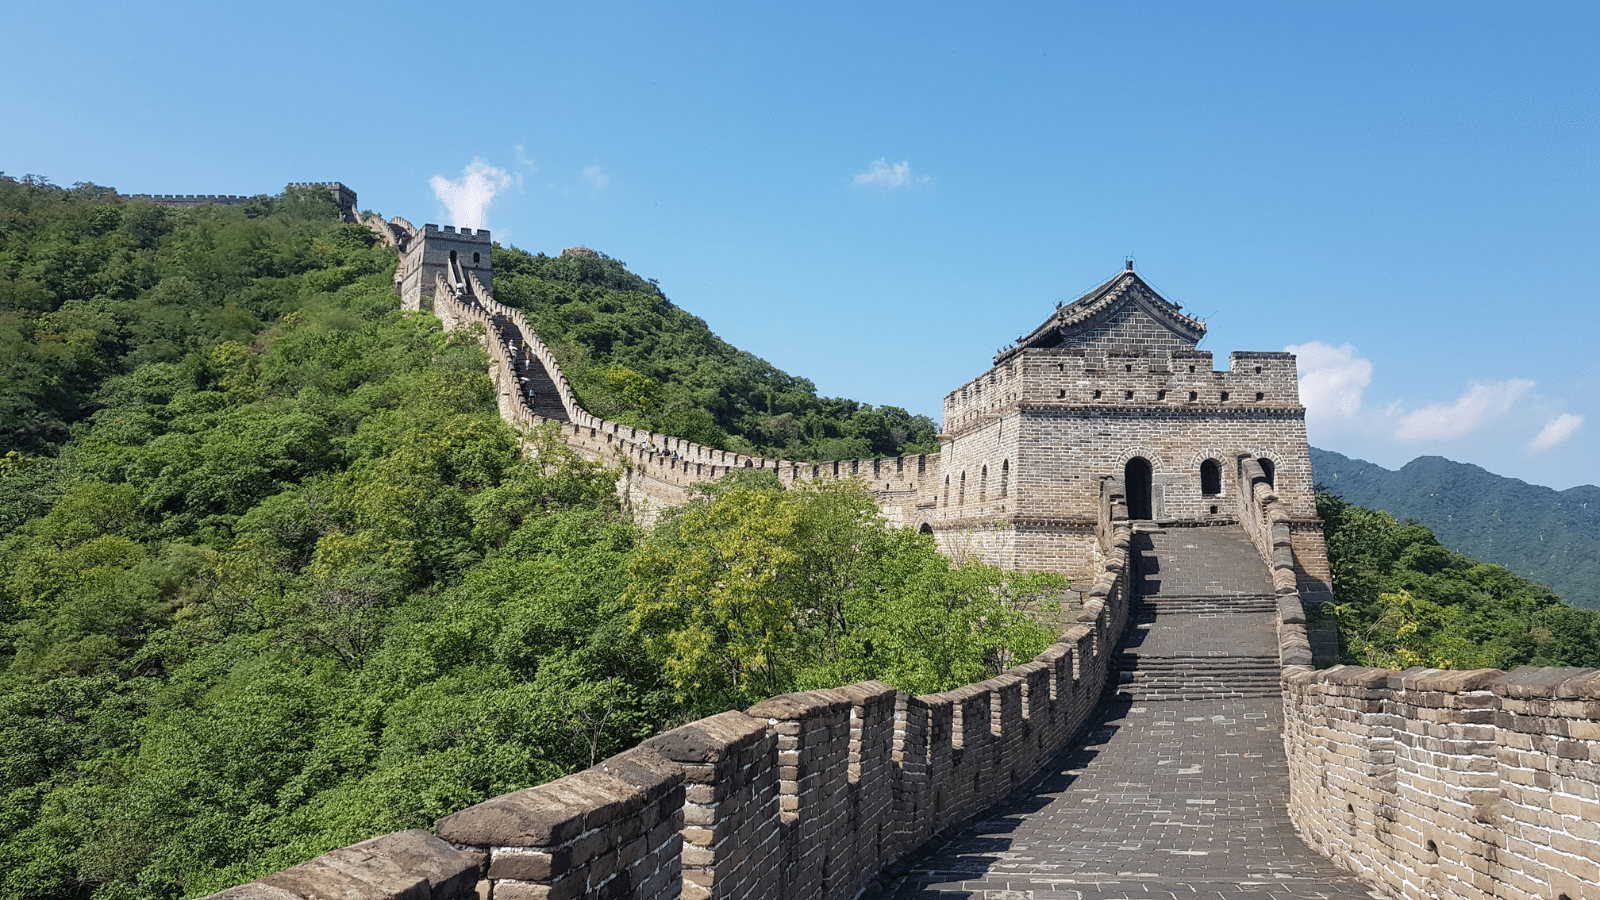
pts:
[882, 174]
[1555, 431]
[1332, 379]
[468, 199]
[597, 179]
[1481, 402]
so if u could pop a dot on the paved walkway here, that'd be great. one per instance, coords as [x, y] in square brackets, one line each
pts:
[1173, 794]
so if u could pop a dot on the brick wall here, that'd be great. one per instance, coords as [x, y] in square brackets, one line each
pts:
[1447, 785]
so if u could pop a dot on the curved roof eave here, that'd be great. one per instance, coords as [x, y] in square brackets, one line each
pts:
[1094, 307]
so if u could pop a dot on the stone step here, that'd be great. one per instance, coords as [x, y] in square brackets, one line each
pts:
[1181, 678]
[1191, 696]
[1196, 662]
[1180, 605]
[1270, 668]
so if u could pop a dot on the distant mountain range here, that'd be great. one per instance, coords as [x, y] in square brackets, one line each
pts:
[1550, 536]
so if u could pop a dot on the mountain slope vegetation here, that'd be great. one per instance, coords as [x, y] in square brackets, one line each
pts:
[1404, 599]
[1550, 536]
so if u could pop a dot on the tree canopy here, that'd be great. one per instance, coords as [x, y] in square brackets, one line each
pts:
[1404, 599]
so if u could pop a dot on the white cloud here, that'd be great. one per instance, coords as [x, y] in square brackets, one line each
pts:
[882, 174]
[468, 199]
[1332, 379]
[523, 160]
[1480, 403]
[597, 179]
[1555, 431]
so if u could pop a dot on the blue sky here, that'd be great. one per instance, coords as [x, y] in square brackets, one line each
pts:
[878, 197]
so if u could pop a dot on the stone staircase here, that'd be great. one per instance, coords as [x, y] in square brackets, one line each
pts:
[1204, 624]
[533, 379]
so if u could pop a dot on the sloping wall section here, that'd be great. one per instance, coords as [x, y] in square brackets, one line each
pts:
[658, 469]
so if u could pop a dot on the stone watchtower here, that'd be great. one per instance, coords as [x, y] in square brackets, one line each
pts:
[1112, 384]
[445, 251]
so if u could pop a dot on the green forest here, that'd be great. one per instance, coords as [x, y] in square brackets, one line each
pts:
[275, 577]
[1403, 599]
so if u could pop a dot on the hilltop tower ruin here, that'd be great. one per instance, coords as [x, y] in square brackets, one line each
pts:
[1112, 384]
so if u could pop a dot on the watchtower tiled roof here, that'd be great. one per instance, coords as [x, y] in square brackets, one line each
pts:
[1125, 314]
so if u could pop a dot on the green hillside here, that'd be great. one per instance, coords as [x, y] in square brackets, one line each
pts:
[1550, 536]
[1403, 599]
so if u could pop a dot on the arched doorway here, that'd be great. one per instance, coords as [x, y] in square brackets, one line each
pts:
[1269, 470]
[1210, 478]
[925, 529]
[1136, 478]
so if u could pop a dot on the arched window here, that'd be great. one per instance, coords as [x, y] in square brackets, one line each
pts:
[925, 529]
[1269, 470]
[1005, 477]
[1136, 478]
[452, 256]
[947, 490]
[961, 491]
[1210, 478]
[983, 484]
[474, 259]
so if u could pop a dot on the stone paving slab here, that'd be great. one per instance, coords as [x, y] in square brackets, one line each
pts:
[1165, 798]
[1162, 800]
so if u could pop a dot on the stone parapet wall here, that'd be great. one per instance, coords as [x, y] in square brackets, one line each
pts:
[1436, 784]
[807, 795]
[1289, 540]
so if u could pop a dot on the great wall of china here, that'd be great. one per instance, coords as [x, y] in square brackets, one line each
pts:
[1424, 783]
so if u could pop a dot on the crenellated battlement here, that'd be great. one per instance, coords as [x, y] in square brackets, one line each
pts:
[1071, 377]
[187, 200]
[342, 195]
[449, 232]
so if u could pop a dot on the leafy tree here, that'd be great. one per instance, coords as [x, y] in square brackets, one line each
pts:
[752, 590]
[1403, 599]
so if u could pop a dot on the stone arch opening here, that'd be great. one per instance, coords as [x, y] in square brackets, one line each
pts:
[961, 491]
[1005, 477]
[474, 259]
[983, 484]
[925, 529]
[452, 257]
[1269, 469]
[1136, 478]
[946, 490]
[1210, 478]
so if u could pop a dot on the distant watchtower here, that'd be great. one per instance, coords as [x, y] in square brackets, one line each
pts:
[342, 195]
[1112, 384]
[436, 251]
